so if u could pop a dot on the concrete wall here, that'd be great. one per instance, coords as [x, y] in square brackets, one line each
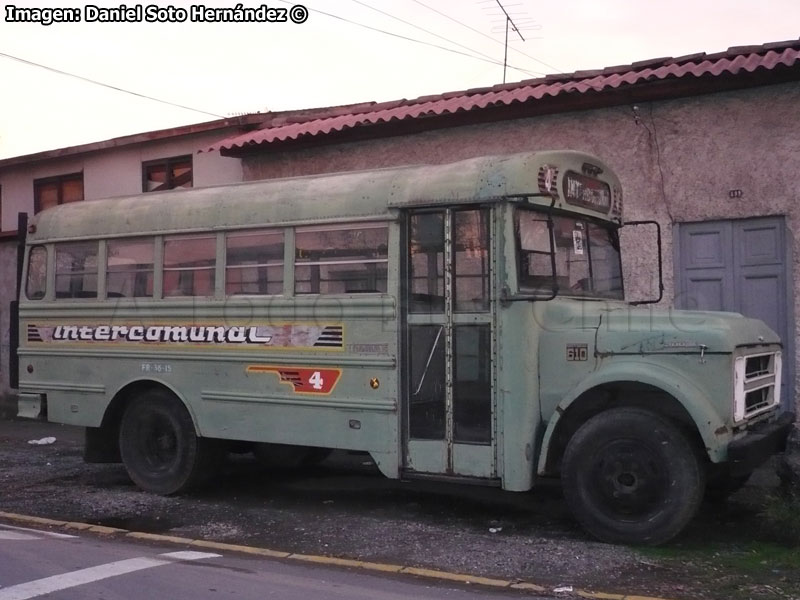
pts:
[677, 161]
[8, 275]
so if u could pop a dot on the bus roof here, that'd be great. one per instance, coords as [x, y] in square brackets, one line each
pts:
[309, 199]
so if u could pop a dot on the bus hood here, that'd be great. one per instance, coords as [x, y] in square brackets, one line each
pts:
[629, 330]
[626, 329]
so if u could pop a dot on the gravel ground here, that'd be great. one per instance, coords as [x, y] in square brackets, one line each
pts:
[345, 508]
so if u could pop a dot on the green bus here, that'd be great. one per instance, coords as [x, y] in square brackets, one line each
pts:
[461, 322]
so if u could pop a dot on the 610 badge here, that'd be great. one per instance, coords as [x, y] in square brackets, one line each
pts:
[577, 352]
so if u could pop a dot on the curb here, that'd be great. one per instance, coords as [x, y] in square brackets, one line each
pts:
[322, 560]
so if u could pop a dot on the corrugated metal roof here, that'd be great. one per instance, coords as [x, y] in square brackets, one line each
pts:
[731, 62]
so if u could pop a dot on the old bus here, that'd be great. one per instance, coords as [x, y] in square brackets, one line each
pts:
[463, 322]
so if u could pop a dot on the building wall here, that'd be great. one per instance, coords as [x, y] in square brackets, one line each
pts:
[8, 275]
[106, 173]
[677, 160]
[115, 171]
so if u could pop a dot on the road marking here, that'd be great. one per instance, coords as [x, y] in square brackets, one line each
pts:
[40, 587]
[520, 585]
[23, 533]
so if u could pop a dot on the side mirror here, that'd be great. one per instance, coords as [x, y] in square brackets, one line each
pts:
[660, 260]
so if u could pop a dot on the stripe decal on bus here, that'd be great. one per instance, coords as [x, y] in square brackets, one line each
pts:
[188, 335]
[304, 380]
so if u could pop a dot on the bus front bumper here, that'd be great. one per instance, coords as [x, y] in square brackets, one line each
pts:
[764, 440]
[32, 406]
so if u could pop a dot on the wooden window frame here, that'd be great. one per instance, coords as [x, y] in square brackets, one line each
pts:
[167, 163]
[58, 179]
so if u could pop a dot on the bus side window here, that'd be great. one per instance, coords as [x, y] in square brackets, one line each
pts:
[130, 268]
[254, 262]
[36, 284]
[189, 263]
[341, 259]
[76, 270]
[426, 262]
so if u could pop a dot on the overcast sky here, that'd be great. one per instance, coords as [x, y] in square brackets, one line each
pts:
[346, 51]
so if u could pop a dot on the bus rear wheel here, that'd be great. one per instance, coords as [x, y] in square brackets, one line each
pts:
[631, 476]
[159, 446]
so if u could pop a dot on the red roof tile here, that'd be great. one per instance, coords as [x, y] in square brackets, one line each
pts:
[733, 61]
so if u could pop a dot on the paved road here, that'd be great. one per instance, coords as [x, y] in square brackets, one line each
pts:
[35, 563]
[346, 510]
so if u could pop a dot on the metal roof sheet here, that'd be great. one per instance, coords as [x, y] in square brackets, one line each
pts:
[731, 62]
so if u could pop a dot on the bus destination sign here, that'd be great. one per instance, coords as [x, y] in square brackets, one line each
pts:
[587, 192]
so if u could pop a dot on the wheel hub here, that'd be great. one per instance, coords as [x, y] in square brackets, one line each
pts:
[627, 480]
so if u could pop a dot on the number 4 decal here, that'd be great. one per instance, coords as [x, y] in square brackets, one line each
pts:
[302, 380]
[316, 380]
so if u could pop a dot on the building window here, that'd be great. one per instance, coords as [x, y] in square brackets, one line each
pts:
[53, 191]
[167, 174]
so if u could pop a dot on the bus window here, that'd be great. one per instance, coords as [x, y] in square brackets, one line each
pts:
[341, 259]
[427, 407]
[587, 257]
[76, 270]
[254, 262]
[471, 248]
[36, 285]
[472, 390]
[189, 263]
[426, 263]
[129, 272]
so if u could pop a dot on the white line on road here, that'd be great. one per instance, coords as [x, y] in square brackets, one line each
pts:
[34, 533]
[40, 587]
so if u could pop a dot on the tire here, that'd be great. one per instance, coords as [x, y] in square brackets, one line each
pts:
[631, 476]
[284, 456]
[160, 448]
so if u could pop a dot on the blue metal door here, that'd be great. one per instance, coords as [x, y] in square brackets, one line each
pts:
[739, 266]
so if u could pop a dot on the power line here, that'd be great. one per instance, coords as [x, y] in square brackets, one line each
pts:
[441, 37]
[496, 41]
[106, 85]
[410, 39]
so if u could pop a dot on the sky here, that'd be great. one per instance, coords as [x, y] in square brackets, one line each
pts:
[346, 51]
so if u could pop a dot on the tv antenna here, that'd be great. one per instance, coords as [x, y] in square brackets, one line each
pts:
[509, 23]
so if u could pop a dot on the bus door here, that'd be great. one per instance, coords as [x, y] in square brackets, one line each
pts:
[449, 401]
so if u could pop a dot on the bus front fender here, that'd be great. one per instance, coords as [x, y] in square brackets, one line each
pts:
[711, 428]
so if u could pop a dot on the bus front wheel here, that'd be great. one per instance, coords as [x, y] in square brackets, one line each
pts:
[159, 446]
[631, 476]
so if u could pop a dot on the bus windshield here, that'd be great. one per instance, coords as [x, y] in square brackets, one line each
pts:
[587, 257]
